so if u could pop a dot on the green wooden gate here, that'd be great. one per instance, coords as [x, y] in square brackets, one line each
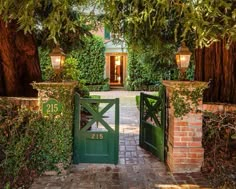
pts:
[96, 140]
[152, 123]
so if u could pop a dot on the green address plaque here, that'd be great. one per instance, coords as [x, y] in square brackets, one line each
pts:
[52, 106]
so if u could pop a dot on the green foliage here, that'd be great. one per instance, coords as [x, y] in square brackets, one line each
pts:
[161, 62]
[211, 20]
[48, 17]
[190, 71]
[94, 87]
[70, 70]
[151, 101]
[148, 69]
[185, 100]
[138, 74]
[45, 64]
[146, 23]
[85, 64]
[82, 89]
[106, 87]
[91, 61]
[31, 143]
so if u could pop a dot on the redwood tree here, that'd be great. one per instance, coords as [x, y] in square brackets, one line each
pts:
[19, 63]
[20, 23]
[218, 65]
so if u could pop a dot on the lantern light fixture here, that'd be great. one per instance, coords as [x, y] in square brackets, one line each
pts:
[57, 58]
[183, 59]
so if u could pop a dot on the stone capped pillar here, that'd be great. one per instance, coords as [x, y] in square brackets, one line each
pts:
[63, 92]
[185, 152]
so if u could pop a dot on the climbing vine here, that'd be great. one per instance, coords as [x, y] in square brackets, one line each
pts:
[185, 100]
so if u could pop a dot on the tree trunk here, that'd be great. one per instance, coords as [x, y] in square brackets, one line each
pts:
[19, 61]
[217, 64]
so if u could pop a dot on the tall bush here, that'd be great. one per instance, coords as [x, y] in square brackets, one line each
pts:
[136, 72]
[45, 63]
[91, 60]
[142, 72]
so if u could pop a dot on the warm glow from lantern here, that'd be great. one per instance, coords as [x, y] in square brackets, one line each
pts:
[183, 58]
[57, 58]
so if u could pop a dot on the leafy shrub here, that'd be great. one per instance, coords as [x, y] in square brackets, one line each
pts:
[150, 67]
[45, 64]
[137, 100]
[70, 70]
[91, 60]
[151, 101]
[142, 73]
[136, 73]
[30, 144]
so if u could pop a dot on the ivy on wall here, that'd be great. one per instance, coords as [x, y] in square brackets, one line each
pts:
[185, 100]
[31, 144]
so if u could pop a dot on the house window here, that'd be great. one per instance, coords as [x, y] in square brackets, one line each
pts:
[107, 34]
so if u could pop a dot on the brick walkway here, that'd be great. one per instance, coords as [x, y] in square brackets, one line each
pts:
[137, 169]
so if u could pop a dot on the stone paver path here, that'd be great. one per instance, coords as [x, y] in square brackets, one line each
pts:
[137, 169]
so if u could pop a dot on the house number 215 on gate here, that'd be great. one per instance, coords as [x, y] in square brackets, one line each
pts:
[97, 136]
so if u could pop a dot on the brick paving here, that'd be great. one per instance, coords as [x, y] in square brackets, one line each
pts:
[137, 168]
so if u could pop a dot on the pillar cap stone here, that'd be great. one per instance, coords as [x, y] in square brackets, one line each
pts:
[188, 84]
[65, 83]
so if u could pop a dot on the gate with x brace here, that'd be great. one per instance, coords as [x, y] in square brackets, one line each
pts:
[96, 131]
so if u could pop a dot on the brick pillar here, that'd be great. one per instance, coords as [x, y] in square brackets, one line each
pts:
[185, 152]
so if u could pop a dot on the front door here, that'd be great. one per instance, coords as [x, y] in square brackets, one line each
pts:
[96, 131]
[152, 123]
[116, 70]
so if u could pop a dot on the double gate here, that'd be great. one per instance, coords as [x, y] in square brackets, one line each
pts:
[152, 123]
[96, 132]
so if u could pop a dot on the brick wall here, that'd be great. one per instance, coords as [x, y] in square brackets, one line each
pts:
[185, 152]
[219, 107]
[31, 103]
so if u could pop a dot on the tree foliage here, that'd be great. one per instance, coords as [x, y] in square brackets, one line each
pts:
[50, 17]
[145, 22]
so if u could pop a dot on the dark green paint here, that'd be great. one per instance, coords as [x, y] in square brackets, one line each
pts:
[95, 146]
[152, 123]
[52, 106]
